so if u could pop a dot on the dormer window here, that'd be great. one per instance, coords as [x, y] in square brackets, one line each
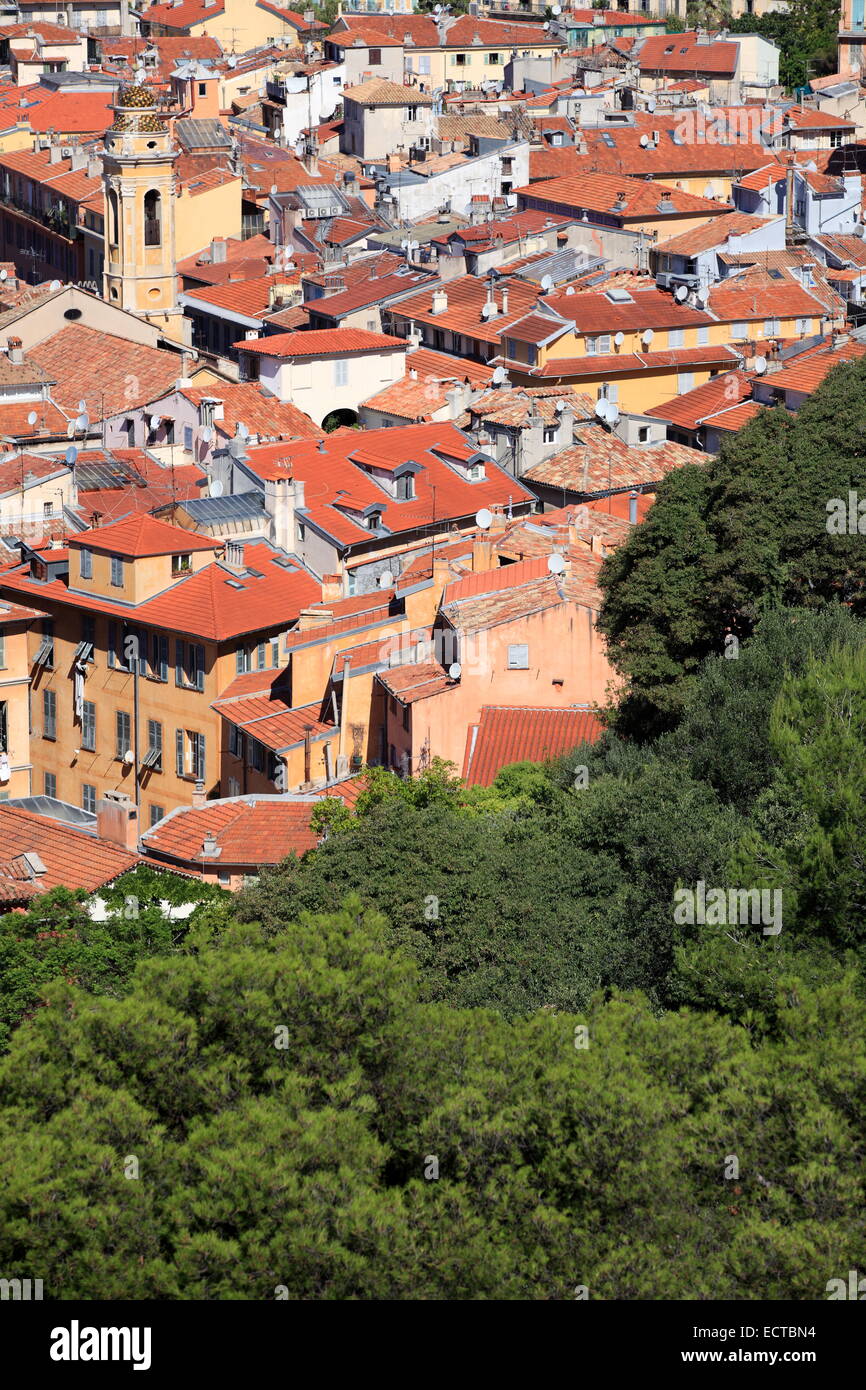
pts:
[405, 487]
[374, 521]
[181, 564]
[475, 472]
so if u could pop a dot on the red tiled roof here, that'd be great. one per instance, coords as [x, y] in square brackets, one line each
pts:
[600, 462]
[416, 397]
[143, 534]
[683, 53]
[213, 603]
[16, 469]
[712, 234]
[184, 15]
[245, 401]
[321, 342]
[690, 409]
[72, 858]
[615, 364]
[110, 373]
[521, 733]
[466, 297]
[247, 830]
[272, 721]
[600, 192]
[806, 376]
[593, 312]
[462, 33]
[620, 151]
[756, 296]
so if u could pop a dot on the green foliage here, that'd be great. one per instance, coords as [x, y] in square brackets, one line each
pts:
[806, 35]
[198, 1159]
[727, 538]
[57, 939]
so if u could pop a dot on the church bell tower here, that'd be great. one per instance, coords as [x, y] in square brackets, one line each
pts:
[139, 185]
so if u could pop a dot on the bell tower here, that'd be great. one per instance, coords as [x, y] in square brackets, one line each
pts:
[139, 186]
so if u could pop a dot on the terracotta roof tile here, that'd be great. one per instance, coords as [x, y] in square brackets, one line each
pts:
[321, 342]
[72, 858]
[101, 368]
[521, 733]
[141, 535]
[247, 830]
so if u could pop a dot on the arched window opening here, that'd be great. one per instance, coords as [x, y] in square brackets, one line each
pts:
[113, 218]
[152, 218]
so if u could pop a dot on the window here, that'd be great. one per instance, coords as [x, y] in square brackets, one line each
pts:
[47, 509]
[411, 113]
[116, 572]
[88, 798]
[740, 330]
[123, 733]
[703, 336]
[202, 89]
[518, 657]
[406, 717]
[341, 372]
[159, 658]
[685, 382]
[45, 652]
[405, 488]
[181, 564]
[771, 328]
[236, 742]
[459, 60]
[275, 651]
[255, 755]
[2, 649]
[550, 433]
[50, 784]
[4, 726]
[242, 661]
[802, 326]
[49, 714]
[152, 216]
[375, 57]
[113, 219]
[493, 60]
[261, 656]
[156, 814]
[187, 438]
[189, 665]
[597, 345]
[836, 139]
[676, 338]
[374, 520]
[153, 756]
[189, 750]
[88, 725]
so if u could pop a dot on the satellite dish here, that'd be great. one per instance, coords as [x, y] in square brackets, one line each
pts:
[129, 757]
[760, 365]
[570, 290]
[243, 430]
[273, 188]
[560, 407]
[557, 9]
[651, 104]
[155, 422]
[499, 375]
[83, 422]
[619, 339]
[207, 434]
[601, 409]
[547, 283]
[55, 285]
[546, 24]
[32, 418]
[483, 518]
[681, 293]
[644, 140]
[232, 61]
[612, 412]
[647, 336]
[216, 488]
[82, 406]
[454, 670]
[386, 579]
[71, 455]
[4, 274]
[556, 564]
[485, 311]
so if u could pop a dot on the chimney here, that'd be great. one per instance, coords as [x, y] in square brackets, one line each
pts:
[632, 506]
[498, 523]
[332, 588]
[482, 554]
[439, 303]
[198, 796]
[15, 349]
[574, 536]
[505, 299]
[441, 572]
[117, 820]
[78, 159]
[284, 497]
[94, 167]
[55, 154]
[210, 849]
[233, 557]
[218, 250]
